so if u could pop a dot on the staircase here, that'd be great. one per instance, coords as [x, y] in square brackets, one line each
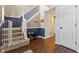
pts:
[13, 38]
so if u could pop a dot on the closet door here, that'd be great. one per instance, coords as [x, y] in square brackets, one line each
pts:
[77, 22]
[59, 25]
[66, 27]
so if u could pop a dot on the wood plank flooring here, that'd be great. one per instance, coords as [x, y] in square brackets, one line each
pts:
[38, 46]
[43, 46]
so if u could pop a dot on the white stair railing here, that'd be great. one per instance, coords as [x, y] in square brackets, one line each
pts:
[4, 27]
[24, 28]
[7, 30]
[9, 33]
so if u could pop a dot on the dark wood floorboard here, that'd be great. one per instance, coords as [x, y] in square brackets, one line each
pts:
[62, 49]
[43, 46]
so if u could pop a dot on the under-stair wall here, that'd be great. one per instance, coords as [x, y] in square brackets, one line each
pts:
[33, 21]
[34, 26]
[42, 23]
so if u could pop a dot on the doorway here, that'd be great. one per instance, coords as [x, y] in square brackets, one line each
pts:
[50, 22]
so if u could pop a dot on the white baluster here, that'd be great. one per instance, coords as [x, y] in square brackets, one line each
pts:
[24, 28]
[10, 33]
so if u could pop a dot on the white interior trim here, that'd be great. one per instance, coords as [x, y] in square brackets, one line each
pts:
[45, 37]
[14, 16]
[34, 27]
[16, 28]
[41, 37]
[57, 43]
[48, 36]
[2, 16]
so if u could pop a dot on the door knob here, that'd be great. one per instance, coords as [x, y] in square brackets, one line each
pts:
[61, 27]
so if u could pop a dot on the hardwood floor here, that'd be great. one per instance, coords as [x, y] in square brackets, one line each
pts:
[62, 49]
[43, 46]
[38, 46]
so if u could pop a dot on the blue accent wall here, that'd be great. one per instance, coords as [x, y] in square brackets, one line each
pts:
[16, 22]
[39, 31]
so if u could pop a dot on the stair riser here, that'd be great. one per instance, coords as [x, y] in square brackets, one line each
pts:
[14, 35]
[14, 40]
[17, 35]
[13, 31]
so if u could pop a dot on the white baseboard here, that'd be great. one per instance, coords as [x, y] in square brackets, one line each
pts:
[40, 37]
[46, 37]
[57, 43]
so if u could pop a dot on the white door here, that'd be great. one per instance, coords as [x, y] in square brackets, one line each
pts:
[66, 26]
[59, 25]
[77, 15]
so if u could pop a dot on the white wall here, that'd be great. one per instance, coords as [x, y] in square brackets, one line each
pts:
[42, 8]
[49, 23]
[17, 10]
[35, 22]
